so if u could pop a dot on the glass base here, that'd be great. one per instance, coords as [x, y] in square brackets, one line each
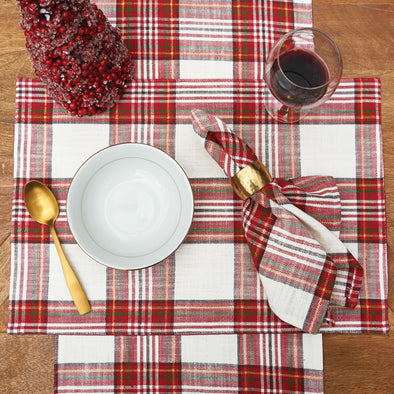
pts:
[280, 112]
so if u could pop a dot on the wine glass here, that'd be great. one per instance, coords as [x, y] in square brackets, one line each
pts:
[302, 71]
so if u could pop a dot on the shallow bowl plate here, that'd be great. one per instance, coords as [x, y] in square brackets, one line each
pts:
[130, 206]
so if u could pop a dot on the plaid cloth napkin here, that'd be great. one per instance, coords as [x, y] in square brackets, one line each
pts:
[264, 363]
[209, 285]
[302, 265]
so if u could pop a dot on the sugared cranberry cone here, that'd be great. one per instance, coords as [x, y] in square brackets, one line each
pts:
[76, 53]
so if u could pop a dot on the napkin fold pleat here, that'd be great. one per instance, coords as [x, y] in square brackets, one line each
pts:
[292, 228]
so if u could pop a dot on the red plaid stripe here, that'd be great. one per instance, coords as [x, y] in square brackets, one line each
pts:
[248, 317]
[371, 198]
[369, 316]
[256, 316]
[151, 316]
[36, 107]
[252, 41]
[249, 45]
[367, 112]
[326, 281]
[249, 103]
[151, 32]
[318, 313]
[158, 104]
[363, 208]
[137, 378]
[217, 213]
[310, 194]
[372, 314]
[24, 229]
[155, 101]
[29, 314]
[289, 379]
[262, 221]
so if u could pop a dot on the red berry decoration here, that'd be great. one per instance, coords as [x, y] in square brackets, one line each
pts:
[77, 53]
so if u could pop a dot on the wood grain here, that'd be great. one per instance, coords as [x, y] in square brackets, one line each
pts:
[26, 363]
[364, 31]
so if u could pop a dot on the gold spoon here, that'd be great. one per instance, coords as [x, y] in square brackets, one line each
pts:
[43, 208]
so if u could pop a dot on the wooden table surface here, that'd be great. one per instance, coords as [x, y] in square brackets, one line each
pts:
[364, 31]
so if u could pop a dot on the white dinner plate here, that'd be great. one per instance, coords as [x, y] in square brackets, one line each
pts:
[130, 206]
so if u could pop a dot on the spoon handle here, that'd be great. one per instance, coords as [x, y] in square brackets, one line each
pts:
[76, 291]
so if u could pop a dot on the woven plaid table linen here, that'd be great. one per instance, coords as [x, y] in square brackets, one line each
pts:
[288, 225]
[245, 363]
[209, 285]
[184, 295]
[224, 39]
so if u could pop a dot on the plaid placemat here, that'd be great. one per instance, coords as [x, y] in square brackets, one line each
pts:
[172, 39]
[264, 363]
[210, 284]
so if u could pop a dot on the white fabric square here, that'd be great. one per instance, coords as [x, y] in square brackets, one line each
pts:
[280, 304]
[213, 349]
[191, 154]
[204, 272]
[212, 69]
[85, 349]
[312, 351]
[328, 150]
[68, 152]
[91, 275]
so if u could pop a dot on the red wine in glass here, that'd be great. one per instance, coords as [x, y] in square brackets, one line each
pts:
[302, 71]
[298, 77]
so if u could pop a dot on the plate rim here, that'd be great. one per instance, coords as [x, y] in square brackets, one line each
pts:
[190, 192]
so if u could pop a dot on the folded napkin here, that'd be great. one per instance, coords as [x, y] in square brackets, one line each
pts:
[303, 266]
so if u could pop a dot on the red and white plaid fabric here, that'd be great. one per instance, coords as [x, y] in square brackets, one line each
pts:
[226, 39]
[209, 364]
[210, 284]
[302, 265]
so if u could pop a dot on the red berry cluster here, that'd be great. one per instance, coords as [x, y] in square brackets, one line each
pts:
[77, 53]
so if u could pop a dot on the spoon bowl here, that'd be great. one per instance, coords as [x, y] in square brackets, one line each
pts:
[44, 209]
[41, 203]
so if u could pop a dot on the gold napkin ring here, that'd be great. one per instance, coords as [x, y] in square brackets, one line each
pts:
[250, 179]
